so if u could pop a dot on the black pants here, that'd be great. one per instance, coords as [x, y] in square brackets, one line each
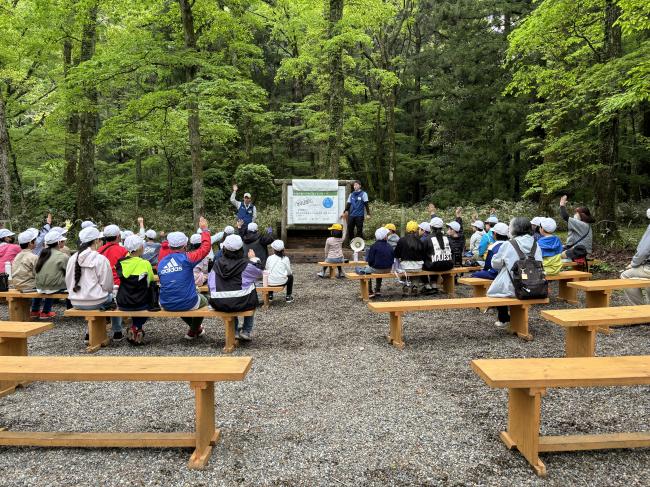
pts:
[355, 222]
[503, 314]
[288, 285]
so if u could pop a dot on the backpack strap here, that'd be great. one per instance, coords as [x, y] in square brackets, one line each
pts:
[515, 246]
[533, 249]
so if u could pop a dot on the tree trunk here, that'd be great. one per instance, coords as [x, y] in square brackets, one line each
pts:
[138, 180]
[392, 156]
[87, 124]
[379, 155]
[5, 177]
[336, 92]
[71, 126]
[606, 181]
[193, 121]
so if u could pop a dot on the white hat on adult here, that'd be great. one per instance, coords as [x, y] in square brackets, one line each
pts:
[177, 240]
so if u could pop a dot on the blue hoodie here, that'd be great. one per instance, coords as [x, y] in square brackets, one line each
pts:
[550, 245]
[380, 255]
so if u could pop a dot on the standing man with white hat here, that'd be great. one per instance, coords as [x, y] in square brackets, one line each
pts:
[246, 210]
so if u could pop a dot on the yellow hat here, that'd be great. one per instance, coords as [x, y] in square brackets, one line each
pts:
[336, 226]
[412, 227]
[390, 226]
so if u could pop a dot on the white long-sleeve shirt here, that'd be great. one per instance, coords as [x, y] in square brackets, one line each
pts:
[279, 270]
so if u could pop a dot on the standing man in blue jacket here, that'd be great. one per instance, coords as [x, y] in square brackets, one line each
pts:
[246, 210]
[355, 210]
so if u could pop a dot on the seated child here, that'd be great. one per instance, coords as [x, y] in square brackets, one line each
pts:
[500, 231]
[551, 247]
[393, 238]
[201, 270]
[380, 259]
[279, 268]
[410, 249]
[456, 242]
[334, 249]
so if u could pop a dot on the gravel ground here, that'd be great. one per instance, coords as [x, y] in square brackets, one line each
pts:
[329, 402]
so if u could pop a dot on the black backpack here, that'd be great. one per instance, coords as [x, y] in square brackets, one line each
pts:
[527, 275]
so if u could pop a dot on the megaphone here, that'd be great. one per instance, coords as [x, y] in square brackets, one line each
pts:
[357, 244]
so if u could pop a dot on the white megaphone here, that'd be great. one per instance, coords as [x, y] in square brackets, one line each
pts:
[357, 244]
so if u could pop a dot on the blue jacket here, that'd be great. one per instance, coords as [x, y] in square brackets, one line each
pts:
[357, 201]
[486, 240]
[488, 272]
[176, 272]
[550, 245]
[380, 255]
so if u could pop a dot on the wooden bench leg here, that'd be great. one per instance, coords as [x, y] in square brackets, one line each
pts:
[231, 342]
[396, 336]
[449, 284]
[97, 336]
[598, 299]
[580, 341]
[14, 347]
[566, 293]
[365, 293]
[480, 291]
[332, 271]
[19, 309]
[265, 299]
[519, 322]
[206, 434]
[524, 410]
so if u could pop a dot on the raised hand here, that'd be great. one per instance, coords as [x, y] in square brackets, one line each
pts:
[563, 200]
[235, 188]
[459, 212]
[240, 223]
[203, 223]
[49, 219]
[141, 221]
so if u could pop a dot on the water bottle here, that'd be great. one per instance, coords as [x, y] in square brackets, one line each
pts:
[265, 278]
[355, 257]
[8, 269]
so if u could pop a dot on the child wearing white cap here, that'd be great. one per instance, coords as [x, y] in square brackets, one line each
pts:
[536, 224]
[501, 235]
[488, 238]
[8, 248]
[151, 248]
[279, 268]
[456, 241]
[639, 268]
[475, 240]
[551, 246]
[51, 267]
[255, 240]
[136, 284]
[201, 270]
[232, 283]
[380, 258]
[23, 273]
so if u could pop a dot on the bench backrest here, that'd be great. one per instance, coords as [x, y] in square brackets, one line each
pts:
[197, 369]
[621, 315]
[607, 284]
[431, 304]
[564, 372]
[22, 329]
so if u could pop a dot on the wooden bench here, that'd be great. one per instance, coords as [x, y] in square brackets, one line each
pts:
[565, 293]
[396, 309]
[265, 290]
[581, 325]
[331, 266]
[448, 279]
[20, 303]
[597, 293]
[527, 381]
[13, 343]
[97, 336]
[200, 372]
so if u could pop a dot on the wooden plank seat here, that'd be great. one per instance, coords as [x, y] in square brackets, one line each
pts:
[527, 380]
[396, 309]
[97, 336]
[331, 266]
[13, 343]
[20, 303]
[565, 293]
[597, 293]
[200, 372]
[448, 279]
[265, 290]
[582, 324]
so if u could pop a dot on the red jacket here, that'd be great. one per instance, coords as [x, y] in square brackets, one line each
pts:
[113, 252]
[164, 250]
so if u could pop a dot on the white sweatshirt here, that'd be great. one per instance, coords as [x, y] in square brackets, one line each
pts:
[279, 270]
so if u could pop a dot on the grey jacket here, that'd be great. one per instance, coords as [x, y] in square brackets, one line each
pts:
[642, 256]
[576, 229]
[504, 260]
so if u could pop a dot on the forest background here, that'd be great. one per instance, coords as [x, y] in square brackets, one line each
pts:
[113, 108]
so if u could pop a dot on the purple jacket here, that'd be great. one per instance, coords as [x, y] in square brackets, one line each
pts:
[232, 284]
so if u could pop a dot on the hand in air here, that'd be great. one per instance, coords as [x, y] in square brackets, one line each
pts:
[235, 188]
[563, 200]
[459, 212]
[240, 223]
[49, 219]
[203, 223]
[141, 221]
[269, 230]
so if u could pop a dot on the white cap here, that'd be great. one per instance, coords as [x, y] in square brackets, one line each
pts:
[537, 221]
[252, 227]
[111, 231]
[229, 230]
[233, 243]
[478, 224]
[381, 233]
[247, 195]
[501, 229]
[26, 237]
[277, 245]
[424, 226]
[195, 238]
[150, 234]
[61, 230]
[455, 226]
[177, 239]
[133, 243]
[87, 224]
[53, 236]
[437, 222]
[647, 213]
[126, 234]
[89, 234]
[548, 225]
[5, 232]
[493, 220]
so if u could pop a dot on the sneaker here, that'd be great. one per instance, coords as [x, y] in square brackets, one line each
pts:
[118, 336]
[47, 316]
[320, 274]
[377, 294]
[500, 324]
[86, 339]
[341, 276]
[191, 336]
[289, 299]
[245, 336]
[371, 295]
[35, 314]
[135, 336]
[270, 296]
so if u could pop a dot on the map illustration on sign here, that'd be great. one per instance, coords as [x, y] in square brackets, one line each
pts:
[314, 201]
